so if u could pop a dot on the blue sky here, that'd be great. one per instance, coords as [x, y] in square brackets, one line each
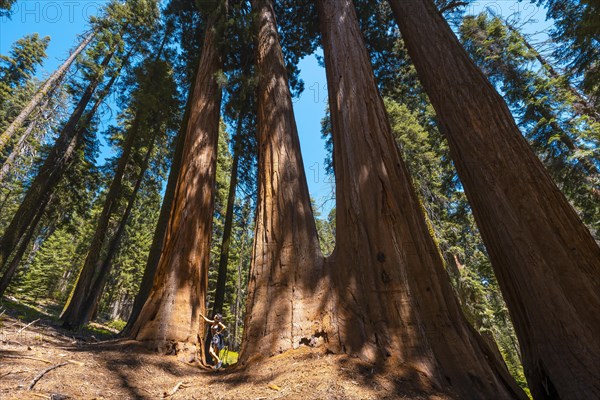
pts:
[64, 20]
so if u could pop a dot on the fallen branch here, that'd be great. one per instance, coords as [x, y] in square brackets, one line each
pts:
[10, 341]
[174, 390]
[27, 326]
[26, 357]
[44, 372]
[12, 373]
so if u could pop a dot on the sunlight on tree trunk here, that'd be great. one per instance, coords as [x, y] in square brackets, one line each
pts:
[393, 300]
[171, 315]
[546, 261]
[285, 285]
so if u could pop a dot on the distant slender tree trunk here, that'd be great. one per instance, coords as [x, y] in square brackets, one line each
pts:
[546, 261]
[582, 105]
[5, 200]
[285, 284]
[74, 313]
[19, 147]
[238, 296]
[161, 225]
[90, 304]
[171, 313]
[22, 247]
[590, 170]
[53, 168]
[226, 241]
[393, 301]
[8, 163]
[44, 91]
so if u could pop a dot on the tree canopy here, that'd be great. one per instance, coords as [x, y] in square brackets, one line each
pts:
[156, 179]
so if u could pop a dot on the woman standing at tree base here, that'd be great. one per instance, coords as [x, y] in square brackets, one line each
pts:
[217, 342]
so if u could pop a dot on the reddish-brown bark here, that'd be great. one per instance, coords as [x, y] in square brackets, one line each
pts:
[172, 312]
[285, 285]
[392, 296]
[546, 261]
[161, 225]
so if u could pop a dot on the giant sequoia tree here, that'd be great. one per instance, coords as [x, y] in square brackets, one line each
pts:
[383, 244]
[286, 278]
[171, 313]
[402, 226]
[393, 298]
[546, 261]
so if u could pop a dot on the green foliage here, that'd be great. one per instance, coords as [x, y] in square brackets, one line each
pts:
[51, 266]
[54, 265]
[130, 260]
[117, 325]
[548, 109]
[228, 357]
[17, 70]
[151, 115]
[5, 7]
[577, 35]
[25, 56]
[298, 30]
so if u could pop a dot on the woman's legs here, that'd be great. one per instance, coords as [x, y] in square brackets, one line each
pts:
[214, 352]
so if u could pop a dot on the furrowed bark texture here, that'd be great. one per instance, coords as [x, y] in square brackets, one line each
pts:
[393, 300]
[546, 261]
[171, 313]
[285, 282]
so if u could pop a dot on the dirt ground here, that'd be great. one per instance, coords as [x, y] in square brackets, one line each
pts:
[91, 368]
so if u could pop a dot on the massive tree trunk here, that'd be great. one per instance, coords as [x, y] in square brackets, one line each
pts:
[74, 313]
[546, 261]
[44, 91]
[53, 168]
[285, 285]
[171, 313]
[161, 225]
[90, 303]
[393, 301]
[227, 228]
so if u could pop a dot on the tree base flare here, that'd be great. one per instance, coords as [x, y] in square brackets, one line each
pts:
[185, 351]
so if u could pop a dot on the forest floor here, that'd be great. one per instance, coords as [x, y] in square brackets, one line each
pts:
[89, 365]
